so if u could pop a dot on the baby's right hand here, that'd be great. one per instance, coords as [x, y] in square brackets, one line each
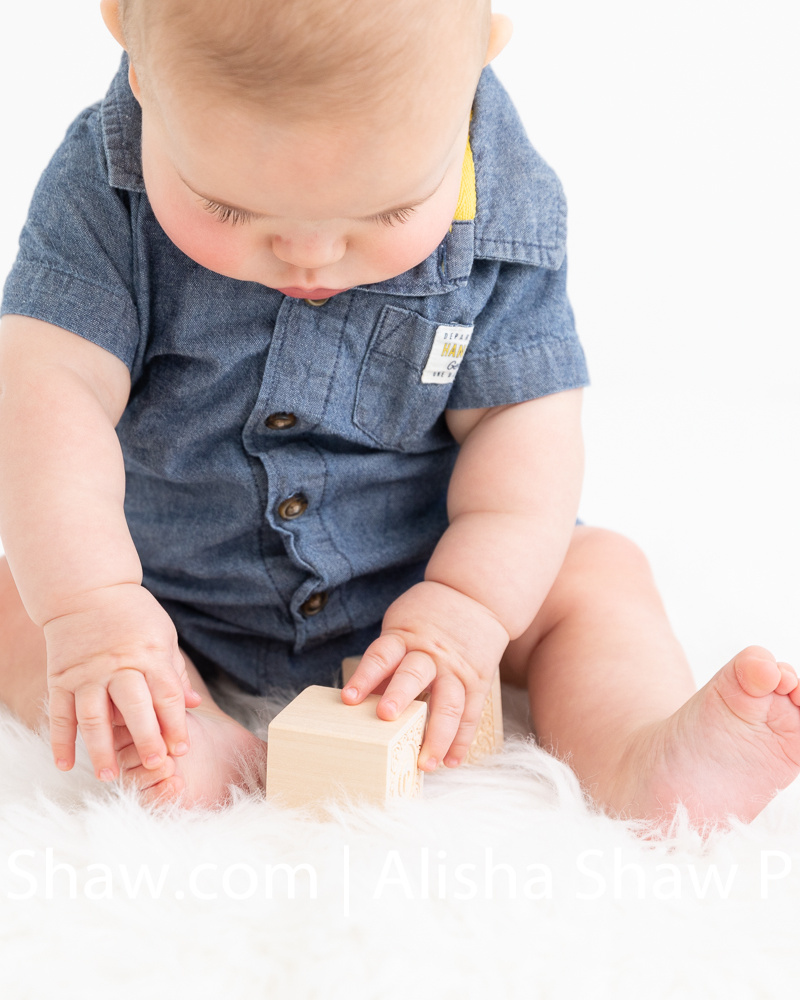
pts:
[117, 647]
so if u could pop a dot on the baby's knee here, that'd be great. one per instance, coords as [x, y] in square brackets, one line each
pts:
[599, 553]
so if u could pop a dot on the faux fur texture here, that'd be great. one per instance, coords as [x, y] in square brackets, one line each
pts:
[561, 901]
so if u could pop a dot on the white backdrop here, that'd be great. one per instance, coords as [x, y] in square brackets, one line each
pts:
[673, 128]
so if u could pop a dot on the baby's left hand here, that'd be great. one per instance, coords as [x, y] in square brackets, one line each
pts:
[434, 636]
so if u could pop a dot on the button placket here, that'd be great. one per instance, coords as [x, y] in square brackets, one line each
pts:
[303, 354]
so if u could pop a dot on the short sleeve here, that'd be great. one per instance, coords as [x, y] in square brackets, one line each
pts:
[524, 343]
[74, 268]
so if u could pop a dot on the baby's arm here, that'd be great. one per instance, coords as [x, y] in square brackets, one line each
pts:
[62, 486]
[512, 503]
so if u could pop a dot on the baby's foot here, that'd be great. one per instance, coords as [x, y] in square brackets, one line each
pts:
[221, 752]
[727, 751]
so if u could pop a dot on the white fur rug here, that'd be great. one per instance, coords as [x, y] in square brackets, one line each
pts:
[502, 882]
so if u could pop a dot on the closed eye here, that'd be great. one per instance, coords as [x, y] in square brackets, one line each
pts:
[391, 218]
[236, 216]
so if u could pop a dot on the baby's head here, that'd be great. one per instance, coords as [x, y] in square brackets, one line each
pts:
[310, 145]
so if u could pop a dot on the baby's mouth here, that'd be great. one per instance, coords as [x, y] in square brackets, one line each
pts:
[311, 293]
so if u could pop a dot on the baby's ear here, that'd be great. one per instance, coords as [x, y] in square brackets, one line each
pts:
[499, 36]
[109, 10]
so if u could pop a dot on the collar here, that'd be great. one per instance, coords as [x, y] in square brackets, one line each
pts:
[521, 209]
[121, 128]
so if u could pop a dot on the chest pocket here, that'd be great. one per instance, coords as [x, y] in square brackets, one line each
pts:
[405, 380]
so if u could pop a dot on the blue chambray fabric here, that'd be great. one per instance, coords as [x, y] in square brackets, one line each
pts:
[212, 357]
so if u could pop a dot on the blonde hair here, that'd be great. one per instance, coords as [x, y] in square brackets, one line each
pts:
[309, 58]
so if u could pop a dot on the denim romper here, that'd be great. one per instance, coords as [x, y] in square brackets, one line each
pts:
[287, 463]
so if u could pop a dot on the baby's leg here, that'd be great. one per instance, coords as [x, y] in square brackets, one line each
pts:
[222, 752]
[610, 689]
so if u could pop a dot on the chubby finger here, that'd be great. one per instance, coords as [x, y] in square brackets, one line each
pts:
[381, 658]
[415, 673]
[163, 784]
[131, 764]
[130, 693]
[169, 703]
[191, 697]
[445, 711]
[116, 719]
[63, 727]
[470, 721]
[378, 689]
[93, 711]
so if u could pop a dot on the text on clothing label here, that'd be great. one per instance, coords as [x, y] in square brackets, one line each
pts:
[448, 349]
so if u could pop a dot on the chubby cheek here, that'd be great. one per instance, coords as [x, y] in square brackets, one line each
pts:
[402, 247]
[208, 243]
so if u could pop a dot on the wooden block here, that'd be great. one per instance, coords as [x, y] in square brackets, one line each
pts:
[489, 735]
[321, 748]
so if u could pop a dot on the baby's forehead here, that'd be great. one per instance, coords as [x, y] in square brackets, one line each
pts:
[307, 57]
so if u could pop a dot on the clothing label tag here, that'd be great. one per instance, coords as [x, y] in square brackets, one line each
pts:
[448, 349]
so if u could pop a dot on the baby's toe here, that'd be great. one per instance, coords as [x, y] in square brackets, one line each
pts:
[788, 681]
[757, 672]
[164, 791]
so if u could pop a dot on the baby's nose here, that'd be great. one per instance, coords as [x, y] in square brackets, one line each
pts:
[311, 252]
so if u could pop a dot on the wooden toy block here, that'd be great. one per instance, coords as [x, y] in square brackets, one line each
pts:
[489, 735]
[320, 747]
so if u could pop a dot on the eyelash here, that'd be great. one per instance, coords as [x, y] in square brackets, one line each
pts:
[225, 214]
[236, 217]
[391, 218]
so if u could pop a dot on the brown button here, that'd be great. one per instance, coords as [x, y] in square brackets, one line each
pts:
[315, 302]
[314, 604]
[280, 421]
[293, 507]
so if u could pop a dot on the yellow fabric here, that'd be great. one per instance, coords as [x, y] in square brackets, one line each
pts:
[467, 198]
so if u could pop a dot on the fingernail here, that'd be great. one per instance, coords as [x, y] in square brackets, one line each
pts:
[390, 706]
[63, 764]
[153, 760]
[351, 692]
[106, 774]
[430, 764]
[180, 748]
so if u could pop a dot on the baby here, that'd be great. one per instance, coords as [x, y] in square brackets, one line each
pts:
[288, 373]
